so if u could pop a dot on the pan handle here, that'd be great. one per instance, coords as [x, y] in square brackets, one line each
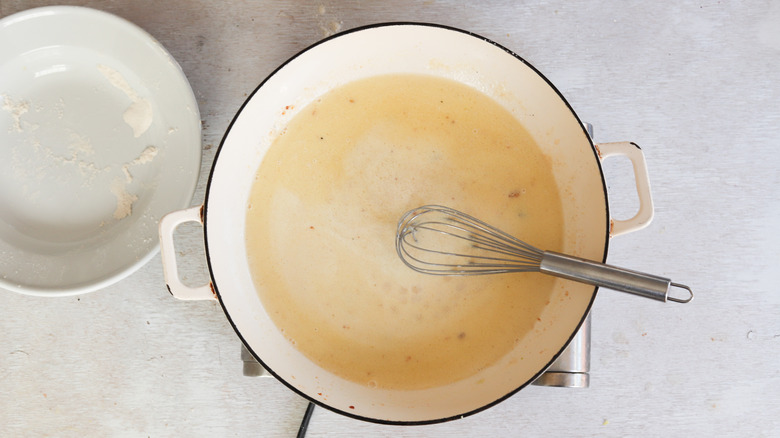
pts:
[644, 216]
[176, 287]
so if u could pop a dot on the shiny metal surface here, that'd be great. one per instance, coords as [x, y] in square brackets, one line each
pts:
[612, 277]
[252, 368]
[572, 368]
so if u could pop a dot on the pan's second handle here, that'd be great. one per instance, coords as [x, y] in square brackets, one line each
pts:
[611, 277]
[176, 287]
[633, 152]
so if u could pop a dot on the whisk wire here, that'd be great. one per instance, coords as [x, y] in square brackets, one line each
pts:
[488, 250]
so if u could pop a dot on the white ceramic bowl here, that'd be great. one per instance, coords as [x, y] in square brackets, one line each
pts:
[99, 138]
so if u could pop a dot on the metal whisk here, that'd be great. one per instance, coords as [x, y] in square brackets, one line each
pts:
[438, 240]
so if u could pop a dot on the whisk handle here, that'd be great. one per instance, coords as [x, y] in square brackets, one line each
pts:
[611, 277]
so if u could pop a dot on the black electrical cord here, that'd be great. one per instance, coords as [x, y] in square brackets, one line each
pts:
[305, 420]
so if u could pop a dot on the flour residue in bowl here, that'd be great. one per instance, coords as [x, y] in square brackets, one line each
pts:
[16, 109]
[146, 156]
[81, 153]
[139, 114]
[47, 157]
[124, 199]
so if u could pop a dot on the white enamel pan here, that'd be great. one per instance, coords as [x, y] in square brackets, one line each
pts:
[428, 50]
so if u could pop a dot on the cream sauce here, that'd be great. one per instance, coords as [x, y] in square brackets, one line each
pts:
[321, 227]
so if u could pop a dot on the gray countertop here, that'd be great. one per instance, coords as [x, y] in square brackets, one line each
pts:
[696, 85]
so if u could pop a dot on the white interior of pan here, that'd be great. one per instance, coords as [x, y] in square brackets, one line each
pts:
[404, 49]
